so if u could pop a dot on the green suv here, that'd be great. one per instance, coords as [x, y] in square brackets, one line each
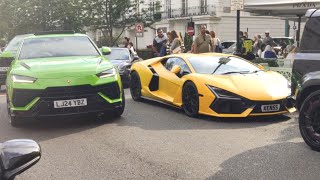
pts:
[62, 74]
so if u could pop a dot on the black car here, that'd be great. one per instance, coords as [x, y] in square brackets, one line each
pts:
[122, 59]
[306, 81]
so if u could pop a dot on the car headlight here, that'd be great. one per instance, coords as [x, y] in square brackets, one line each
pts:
[223, 93]
[107, 73]
[23, 79]
[122, 67]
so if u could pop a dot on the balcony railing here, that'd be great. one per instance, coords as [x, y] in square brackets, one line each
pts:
[190, 11]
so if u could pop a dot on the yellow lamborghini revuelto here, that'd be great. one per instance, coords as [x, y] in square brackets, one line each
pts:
[211, 84]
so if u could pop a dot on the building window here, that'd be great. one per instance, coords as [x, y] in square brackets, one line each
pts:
[203, 6]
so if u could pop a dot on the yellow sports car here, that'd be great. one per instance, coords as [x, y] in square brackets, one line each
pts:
[211, 84]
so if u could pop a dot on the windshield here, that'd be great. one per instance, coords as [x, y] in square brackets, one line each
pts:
[288, 41]
[14, 44]
[221, 65]
[119, 54]
[57, 47]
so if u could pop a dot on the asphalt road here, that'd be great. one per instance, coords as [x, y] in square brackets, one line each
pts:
[154, 141]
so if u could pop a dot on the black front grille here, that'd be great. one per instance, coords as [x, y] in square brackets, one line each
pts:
[22, 97]
[258, 104]
[95, 103]
[230, 105]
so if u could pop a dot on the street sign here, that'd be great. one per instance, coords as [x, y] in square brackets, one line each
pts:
[139, 30]
[190, 31]
[190, 28]
[236, 5]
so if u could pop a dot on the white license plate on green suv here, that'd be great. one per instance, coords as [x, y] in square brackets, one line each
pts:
[270, 108]
[70, 103]
[4, 69]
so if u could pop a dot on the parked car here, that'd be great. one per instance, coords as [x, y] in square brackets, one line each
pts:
[122, 60]
[16, 156]
[306, 81]
[12, 47]
[278, 40]
[211, 84]
[226, 44]
[60, 74]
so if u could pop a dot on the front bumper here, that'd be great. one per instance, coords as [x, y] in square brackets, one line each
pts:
[125, 76]
[40, 103]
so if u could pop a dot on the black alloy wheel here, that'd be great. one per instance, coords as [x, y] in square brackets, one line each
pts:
[135, 86]
[190, 99]
[309, 120]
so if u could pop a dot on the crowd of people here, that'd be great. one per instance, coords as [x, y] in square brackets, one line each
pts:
[206, 41]
[172, 43]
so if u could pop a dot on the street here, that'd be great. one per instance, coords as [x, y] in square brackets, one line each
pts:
[155, 141]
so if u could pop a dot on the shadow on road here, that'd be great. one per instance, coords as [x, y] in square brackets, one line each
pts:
[152, 115]
[277, 161]
[48, 128]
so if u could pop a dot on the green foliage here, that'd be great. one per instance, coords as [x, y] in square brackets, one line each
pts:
[28, 16]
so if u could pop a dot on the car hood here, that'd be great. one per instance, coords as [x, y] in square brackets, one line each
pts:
[116, 63]
[261, 86]
[50, 68]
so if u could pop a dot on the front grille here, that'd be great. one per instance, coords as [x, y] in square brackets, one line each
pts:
[230, 106]
[258, 104]
[22, 97]
[95, 103]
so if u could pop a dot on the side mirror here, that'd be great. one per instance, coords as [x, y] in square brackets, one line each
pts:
[16, 156]
[176, 69]
[105, 50]
[7, 56]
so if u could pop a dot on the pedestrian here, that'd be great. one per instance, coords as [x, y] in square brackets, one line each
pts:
[169, 42]
[159, 45]
[256, 45]
[246, 35]
[246, 47]
[203, 43]
[217, 47]
[126, 42]
[268, 40]
[268, 53]
[176, 43]
[132, 49]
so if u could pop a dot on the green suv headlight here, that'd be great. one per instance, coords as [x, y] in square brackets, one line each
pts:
[107, 73]
[23, 79]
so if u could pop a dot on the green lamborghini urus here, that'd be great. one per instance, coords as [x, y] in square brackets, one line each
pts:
[62, 73]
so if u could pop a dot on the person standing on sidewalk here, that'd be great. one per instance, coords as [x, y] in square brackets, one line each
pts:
[159, 45]
[203, 42]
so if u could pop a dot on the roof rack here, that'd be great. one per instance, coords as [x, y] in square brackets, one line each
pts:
[54, 32]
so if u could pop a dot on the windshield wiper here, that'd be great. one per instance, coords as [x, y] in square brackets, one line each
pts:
[233, 72]
[256, 71]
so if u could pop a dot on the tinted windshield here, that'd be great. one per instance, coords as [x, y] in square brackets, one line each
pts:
[119, 54]
[220, 65]
[57, 47]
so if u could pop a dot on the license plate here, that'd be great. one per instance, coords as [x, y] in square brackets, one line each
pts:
[4, 69]
[70, 103]
[270, 108]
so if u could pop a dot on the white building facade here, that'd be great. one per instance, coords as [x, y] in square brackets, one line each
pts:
[216, 14]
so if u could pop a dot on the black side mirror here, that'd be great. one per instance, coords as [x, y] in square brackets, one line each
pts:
[6, 59]
[16, 156]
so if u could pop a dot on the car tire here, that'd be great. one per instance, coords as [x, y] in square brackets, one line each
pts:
[190, 99]
[309, 120]
[135, 86]
[119, 111]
